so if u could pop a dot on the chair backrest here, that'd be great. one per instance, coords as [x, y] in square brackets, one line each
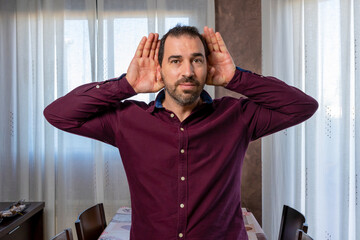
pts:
[301, 235]
[91, 223]
[291, 221]
[64, 235]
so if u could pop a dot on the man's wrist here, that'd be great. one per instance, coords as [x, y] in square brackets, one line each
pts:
[230, 78]
[242, 70]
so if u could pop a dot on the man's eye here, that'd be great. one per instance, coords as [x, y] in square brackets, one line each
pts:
[198, 60]
[174, 61]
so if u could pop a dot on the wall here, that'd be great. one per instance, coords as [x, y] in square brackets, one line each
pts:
[239, 22]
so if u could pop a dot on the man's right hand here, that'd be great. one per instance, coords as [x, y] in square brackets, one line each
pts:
[141, 73]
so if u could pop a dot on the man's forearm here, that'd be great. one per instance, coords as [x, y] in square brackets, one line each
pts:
[272, 93]
[84, 102]
[272, 105]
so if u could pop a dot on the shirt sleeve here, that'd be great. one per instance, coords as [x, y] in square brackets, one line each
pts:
[271, 105]
[88, 110]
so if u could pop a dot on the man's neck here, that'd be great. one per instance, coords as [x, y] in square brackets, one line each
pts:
[182, 112]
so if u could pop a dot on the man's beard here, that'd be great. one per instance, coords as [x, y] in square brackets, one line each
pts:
[186, 97]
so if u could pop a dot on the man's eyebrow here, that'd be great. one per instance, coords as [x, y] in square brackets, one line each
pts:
[198, 55]
[174, 56]
[180, 56]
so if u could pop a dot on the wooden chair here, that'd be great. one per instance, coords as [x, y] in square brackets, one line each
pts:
[291, 221]
[91, 223]
[64, 235]
[301, 235]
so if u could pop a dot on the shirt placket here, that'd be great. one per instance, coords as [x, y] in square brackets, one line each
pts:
[182, 182]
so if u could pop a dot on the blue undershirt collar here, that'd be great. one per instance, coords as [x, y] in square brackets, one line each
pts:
[205, 97]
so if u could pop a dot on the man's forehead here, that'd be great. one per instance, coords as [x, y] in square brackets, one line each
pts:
[177, 44]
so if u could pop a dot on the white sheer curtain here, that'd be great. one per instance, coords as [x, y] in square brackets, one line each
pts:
[48, 48]
[315, 167]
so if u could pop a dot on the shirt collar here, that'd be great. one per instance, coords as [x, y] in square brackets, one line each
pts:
[205, 97]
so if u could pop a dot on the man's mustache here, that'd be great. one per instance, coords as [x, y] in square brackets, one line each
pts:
[191, 80]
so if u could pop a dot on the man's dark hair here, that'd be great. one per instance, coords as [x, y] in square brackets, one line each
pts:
[178, 31]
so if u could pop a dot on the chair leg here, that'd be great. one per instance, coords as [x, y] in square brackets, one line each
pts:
[78, 230]
[300, 235]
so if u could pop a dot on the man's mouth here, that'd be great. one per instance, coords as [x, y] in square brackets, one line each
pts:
[188, 86]
[188, 83]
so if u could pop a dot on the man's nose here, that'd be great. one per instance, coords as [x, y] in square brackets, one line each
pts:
[188, 69]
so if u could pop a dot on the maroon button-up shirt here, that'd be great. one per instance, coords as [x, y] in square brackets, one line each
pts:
[184, 177]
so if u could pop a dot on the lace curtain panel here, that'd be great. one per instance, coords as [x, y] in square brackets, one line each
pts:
[315, 167]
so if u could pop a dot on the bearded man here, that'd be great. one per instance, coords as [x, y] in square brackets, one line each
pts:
[183, 152]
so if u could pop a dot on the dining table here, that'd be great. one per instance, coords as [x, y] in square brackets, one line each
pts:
[119, 226]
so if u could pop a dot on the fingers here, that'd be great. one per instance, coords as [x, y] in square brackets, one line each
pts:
[220, 42]
[211, 39]
[140, 47]
[157, 51]
[206, 35]
[147, 46]
[154, 45]
[214, 40]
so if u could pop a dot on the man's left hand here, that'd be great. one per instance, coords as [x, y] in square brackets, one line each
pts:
[221, 67]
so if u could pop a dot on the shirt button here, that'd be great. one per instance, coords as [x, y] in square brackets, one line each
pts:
[182, 178]
[181, 235]
[172, 115]
[182, 150]
[97, 86]
[182, 129]
[182, 205]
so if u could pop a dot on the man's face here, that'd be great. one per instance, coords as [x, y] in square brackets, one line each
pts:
[184, 69]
